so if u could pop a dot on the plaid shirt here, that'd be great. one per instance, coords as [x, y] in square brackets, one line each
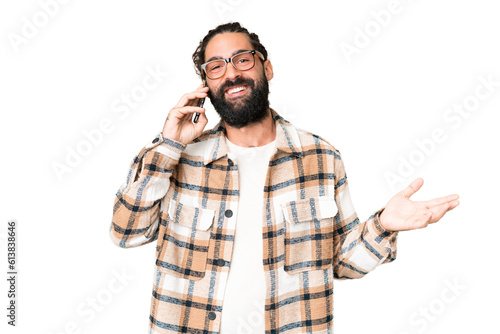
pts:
[186, 198]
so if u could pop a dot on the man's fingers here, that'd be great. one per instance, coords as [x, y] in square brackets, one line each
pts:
[191, 99]
[454, 204]
[451, 205]
[183, 111]
[439, 211]
[441, 200]
[413, 187]
[202, 121]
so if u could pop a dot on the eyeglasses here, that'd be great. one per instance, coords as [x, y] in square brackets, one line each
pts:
[242, 61]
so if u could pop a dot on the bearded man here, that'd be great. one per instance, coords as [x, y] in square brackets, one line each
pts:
[252, 219]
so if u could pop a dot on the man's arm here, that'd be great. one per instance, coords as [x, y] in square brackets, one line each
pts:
[359, 247]
[137, 205]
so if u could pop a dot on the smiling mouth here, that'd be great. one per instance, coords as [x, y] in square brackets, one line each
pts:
[236, 90]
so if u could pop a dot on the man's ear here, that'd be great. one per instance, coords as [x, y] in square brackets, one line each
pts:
[268, 69]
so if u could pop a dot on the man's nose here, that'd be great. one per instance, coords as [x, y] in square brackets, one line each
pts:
[231, 71]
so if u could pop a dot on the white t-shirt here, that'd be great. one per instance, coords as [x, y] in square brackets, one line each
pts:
[244, 299]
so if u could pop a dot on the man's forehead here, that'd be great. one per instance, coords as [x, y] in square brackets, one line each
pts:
[227, 44]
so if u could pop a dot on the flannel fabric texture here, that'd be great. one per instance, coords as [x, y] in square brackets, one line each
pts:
[185, 197]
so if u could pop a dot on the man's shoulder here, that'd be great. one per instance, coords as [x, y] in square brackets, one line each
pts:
[309, 140]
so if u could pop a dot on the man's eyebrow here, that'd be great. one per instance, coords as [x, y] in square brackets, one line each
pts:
[219, 57]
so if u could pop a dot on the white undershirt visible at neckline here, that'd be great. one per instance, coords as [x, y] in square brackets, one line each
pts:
[244, 299]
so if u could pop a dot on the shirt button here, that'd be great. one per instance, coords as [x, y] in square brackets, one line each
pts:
[156, 140]
[211, 315]
[221, 262]
[228, 213]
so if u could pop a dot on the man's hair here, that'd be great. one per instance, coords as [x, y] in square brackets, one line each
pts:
[199, 53]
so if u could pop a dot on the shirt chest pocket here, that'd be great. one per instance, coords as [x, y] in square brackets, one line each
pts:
[184, 248]
[309, 228]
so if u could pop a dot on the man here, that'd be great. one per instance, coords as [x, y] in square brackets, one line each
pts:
[253, 219]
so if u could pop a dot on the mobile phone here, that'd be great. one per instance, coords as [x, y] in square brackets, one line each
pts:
[202, 102]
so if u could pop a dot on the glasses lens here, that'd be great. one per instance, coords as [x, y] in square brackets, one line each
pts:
[215, 68]
[243, 61]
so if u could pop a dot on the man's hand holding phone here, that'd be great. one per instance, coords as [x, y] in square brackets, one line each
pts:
[179, 125]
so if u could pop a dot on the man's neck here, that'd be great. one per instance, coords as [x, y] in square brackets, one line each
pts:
[253, 135]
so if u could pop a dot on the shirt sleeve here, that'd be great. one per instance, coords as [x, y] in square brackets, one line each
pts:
[137, 204]
[359, 246]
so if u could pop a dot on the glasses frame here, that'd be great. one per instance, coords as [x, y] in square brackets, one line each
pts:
[230, 59]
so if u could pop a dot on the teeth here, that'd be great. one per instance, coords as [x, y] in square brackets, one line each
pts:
[236, 90]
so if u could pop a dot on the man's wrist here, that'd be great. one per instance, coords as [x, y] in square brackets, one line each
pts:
[382, 220]
[165, 134]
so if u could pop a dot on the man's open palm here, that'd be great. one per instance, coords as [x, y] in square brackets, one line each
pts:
[402, 214]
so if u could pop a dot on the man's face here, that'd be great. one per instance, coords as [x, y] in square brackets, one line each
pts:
[239, 97]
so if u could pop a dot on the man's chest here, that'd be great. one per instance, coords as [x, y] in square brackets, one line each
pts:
[199, 216]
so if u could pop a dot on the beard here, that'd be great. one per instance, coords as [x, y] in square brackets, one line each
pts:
[251, 109]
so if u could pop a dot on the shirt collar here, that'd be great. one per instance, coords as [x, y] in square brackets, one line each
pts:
[287, 140]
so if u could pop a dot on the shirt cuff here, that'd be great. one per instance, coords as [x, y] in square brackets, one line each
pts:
[382, 236]
[378, 224]
[166, 146]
